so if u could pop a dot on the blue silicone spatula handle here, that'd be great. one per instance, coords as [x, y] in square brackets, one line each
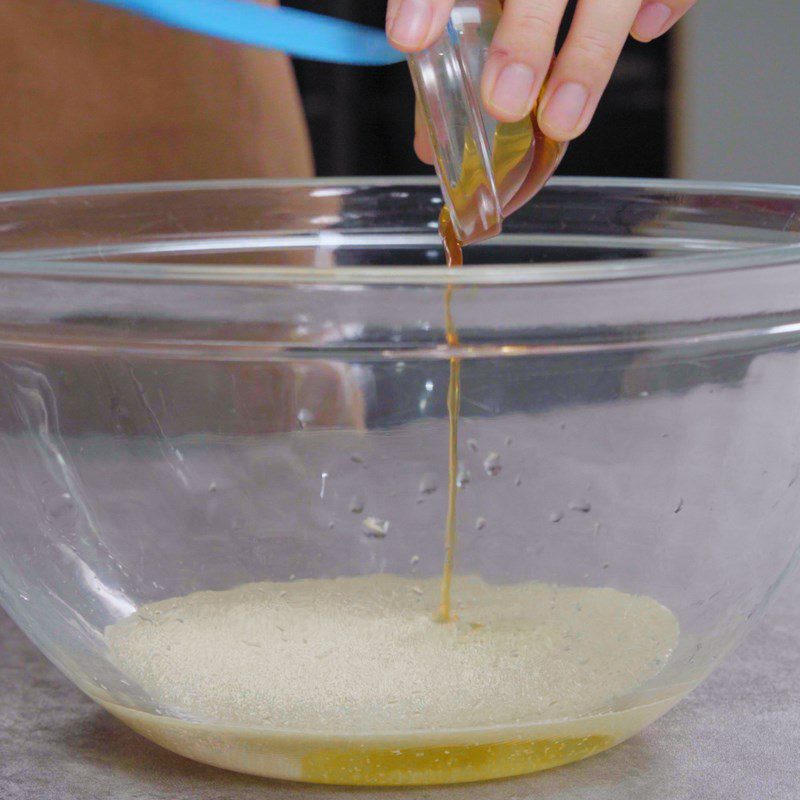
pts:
[298, 33]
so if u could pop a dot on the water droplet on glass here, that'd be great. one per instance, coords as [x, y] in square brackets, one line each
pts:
[679, 507]
[463, 476]
[375, 528]
[491, 465]
[509, 441]
[212, 487]
[518, 480]
[429, 483]
[417, 591]
[357, 504]
[304, 416]
[357, 458]
[473, 445]
[556, 516]
[480, 524]
[414, 561]
[606, 565]
[324, 478]
[58, 505]
[23, 596]
[584, 506]
[330, 525]
[429, 385]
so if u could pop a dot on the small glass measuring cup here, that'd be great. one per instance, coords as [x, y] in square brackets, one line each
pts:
[487, 169]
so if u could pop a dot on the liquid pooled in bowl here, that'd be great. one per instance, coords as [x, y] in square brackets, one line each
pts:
[352, 680]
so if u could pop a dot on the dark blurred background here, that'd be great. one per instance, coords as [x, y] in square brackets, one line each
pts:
[361, 120]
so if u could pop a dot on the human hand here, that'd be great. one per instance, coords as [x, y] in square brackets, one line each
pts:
[522, 52]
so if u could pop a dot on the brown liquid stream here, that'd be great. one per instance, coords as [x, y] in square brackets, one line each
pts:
[523, 160]
[455, 258]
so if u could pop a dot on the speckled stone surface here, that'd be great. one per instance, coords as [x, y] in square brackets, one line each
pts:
[736, 738]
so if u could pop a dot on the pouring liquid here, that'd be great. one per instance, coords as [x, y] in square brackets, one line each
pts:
[455, 259]
[523, 159]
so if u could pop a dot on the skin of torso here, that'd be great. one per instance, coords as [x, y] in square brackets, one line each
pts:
[95, 95]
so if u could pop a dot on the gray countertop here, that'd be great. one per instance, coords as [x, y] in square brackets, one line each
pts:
[737, 737]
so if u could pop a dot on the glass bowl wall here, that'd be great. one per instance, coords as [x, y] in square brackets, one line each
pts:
[196, 381]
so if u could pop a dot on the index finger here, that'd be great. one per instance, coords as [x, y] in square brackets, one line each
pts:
[413, 25]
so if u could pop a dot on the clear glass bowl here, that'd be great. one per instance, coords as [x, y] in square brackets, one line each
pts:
[215, 385]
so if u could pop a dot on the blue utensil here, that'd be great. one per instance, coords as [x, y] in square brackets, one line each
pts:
[298, 33]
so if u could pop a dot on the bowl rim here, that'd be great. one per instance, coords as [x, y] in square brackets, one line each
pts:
[565, 272]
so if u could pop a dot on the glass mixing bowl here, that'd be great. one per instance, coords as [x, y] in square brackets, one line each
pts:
[218, 385]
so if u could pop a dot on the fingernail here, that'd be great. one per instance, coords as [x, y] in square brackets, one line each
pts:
[412, 23]
[563, 111]
[651, 21]
[512, 93]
